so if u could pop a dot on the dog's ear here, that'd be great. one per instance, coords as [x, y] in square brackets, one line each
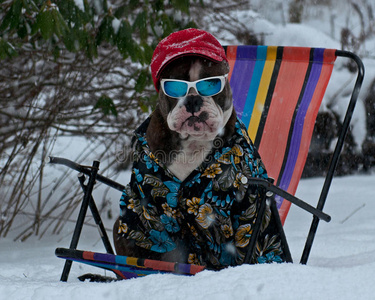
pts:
[225, 99]
[165, 104]
[160, 138]
[230, 127]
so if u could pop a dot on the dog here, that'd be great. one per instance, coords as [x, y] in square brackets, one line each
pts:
[187, 127]
[188, 199]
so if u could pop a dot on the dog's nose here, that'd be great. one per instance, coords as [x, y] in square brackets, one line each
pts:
[193, 103]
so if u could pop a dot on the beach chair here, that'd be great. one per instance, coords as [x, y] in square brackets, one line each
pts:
[277, 93]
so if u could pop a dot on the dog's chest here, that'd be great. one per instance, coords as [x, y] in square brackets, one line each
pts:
[191, 155]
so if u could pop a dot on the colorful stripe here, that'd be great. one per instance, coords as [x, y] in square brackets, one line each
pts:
[264, 83]
[128, 267]
[253, 88]
[320, 71]
[269, 96]
[244, 64]
[277, 92]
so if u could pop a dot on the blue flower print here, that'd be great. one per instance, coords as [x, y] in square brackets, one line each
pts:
[208, 193]
[224, 151]
[248, 163]
[142, 139]
[172, 196]
[138, 175]
[196, 179]
[162, 242]
[150, 163]
[213, 246]
[238, 127]
[223, 203]
[222, 212]
[235, 222]
[269, 258]
[259, 170]
[122, 199]
[170, 223]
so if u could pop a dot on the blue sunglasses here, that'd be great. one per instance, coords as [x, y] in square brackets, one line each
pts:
[205, 87]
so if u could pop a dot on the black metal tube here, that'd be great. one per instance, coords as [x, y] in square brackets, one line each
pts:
[81, 218]
[293, 199]
[86, 171]
[336, 154]
[96, 215]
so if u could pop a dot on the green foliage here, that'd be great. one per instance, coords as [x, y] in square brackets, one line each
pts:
[142, 80]
[12, 18]
[6, 49]
[146, 102]
[132, 27]
[127, 25]
[106, 105]
[181, 5]
[49, 21]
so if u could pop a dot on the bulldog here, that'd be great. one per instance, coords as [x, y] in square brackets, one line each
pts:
[188, 199]
[183, 128]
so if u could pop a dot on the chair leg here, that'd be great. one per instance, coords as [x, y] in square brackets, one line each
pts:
[81, 219]
[98, 220]
[309, 241]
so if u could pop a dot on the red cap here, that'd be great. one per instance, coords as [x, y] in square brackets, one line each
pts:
[185, 42]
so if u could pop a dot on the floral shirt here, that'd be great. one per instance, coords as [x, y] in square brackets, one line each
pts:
[209, 216]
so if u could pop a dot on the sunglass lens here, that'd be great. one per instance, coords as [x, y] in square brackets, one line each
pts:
[175, 88]
[209, 87]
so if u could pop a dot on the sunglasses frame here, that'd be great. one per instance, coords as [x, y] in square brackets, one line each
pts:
[193, 84]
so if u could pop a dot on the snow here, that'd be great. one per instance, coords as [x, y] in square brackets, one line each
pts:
[80, 4]
[116, 23]
[341, 264]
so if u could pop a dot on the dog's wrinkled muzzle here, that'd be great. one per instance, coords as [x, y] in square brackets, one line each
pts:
[195, 124]
[197, 117]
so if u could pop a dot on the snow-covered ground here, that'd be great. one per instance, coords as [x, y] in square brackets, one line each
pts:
[341, 264]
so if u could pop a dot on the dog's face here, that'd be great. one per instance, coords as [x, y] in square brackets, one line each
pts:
[193, 116]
